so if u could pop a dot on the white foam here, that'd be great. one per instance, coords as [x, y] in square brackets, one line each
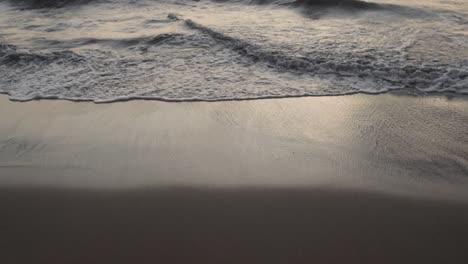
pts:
[184, 58]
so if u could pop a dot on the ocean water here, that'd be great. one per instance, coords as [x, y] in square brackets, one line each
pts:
[177, 50]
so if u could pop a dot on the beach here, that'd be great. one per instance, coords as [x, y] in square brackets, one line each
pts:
[343, 179]
[216, 132]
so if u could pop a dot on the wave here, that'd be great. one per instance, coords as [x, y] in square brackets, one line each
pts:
[314, 9]
[37, 4]
[345, 4]
[366, 66]
[204, 64]
[357, 4]
[114, 43]
[11, 55]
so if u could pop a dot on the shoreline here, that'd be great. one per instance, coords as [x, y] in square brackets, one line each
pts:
[402, 92]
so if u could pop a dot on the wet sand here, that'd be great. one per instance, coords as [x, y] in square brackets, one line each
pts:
[186, 225]
[350, 179]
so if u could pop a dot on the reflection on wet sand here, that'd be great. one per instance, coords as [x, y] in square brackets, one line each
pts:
[354, 179]
[396, 144]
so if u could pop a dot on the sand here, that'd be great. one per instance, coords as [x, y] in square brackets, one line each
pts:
[348, 179]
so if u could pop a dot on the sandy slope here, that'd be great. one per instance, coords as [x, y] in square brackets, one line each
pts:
[352, 179]
[390, 143]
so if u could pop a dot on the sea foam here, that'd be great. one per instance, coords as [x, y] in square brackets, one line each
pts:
[191, 59]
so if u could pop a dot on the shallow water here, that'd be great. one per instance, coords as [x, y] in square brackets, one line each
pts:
[112, 50]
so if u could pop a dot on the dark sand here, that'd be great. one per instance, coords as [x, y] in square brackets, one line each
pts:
[178, 225]
[353, 179]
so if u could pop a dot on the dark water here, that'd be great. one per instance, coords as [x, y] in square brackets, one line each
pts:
[107, 50]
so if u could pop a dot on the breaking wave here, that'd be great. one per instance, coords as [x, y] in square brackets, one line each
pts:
[114, 43]
[100, 72]
[187, 58]
[424, 77]
[11, 56]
